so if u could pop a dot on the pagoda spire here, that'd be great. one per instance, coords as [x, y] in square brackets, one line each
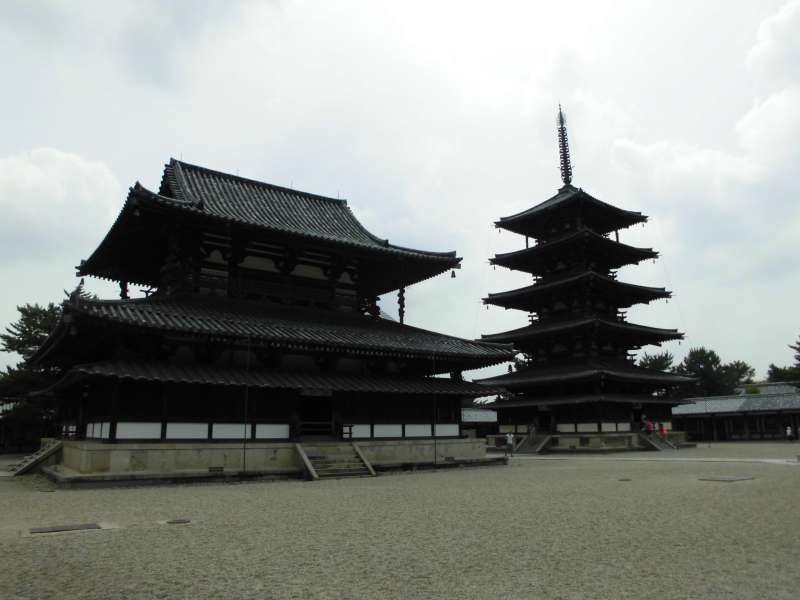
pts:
[563, 148]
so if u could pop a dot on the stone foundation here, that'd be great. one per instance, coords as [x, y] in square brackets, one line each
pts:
[87, 459]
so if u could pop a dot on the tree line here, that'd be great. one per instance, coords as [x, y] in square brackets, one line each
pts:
[715, 378]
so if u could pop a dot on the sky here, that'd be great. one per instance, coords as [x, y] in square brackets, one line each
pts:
[433, 120]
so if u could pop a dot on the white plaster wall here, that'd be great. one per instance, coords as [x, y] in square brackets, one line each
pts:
[138, 431]
[623, 426]
[187, 431]
[229, 431]
[446, 430]
[272, 431]
[608, 427]
[361, 431]
[418, 431]
[388, 431]
[565, 428]
[587, 427]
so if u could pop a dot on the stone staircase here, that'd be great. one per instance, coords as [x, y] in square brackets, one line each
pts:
[336, 460]
[533, 444]
[33, 460]
[655, 442]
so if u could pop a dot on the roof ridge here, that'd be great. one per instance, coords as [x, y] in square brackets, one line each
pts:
[181, 164]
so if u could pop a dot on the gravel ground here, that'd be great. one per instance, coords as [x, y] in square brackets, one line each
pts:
[557, 529]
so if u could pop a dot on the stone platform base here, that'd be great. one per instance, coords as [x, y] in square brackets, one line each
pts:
[606, 442]
[102, 463]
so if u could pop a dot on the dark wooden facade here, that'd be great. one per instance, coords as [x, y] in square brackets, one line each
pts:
[579, 376]
[260, 321]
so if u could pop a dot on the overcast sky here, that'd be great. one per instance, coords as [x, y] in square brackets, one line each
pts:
[433, 119]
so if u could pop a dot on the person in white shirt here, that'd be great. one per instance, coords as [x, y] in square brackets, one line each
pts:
[510, 444]
[789, 432]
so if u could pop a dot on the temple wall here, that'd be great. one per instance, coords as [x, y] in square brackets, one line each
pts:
[97, 458]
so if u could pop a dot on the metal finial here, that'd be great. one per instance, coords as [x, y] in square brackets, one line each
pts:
[563, 148]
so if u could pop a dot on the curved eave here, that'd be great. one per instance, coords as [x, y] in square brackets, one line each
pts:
[529, 259]
[529, 377]
[532, 332]
[522, 297]
[523, 221]
[262, 378]
[53, 340]
[480, 354]
[523, 401]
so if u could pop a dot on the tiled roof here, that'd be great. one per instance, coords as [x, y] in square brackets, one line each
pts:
[565, 196]
[207, 375]
[134, 248]
[635, 293]
[289, 327]
[255, 203]
[623, 328]
[615, 254]
[584, 369]
[581, 399]
[739, 404]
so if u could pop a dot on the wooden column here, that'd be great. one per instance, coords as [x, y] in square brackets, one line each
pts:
[164, 411]
[112, 428]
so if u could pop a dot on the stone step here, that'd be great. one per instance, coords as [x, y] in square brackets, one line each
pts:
[34, 459]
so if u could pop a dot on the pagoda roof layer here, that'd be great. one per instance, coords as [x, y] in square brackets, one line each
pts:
[597, 215]
[565, 328]
[260, 378]
[527, 298]
[262, 210]
[534, 259]
[276, 325]
[588, 369]
[522, 400]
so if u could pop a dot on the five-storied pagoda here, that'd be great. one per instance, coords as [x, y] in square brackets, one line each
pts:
[260, 330]
[578, 382]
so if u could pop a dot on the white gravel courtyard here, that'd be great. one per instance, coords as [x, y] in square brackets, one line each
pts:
[572, 528]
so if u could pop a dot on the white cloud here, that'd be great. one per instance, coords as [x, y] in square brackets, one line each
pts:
[775, 57]
[51, 202]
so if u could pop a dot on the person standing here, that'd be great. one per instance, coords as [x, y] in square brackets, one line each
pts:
[789, 433]
[510, 444]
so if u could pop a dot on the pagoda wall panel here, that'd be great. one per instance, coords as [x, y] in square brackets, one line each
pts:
[272, 431]
[138, 431]
[187, 431]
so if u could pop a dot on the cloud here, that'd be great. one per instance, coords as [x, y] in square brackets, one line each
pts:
[775, 57]
[52, 202]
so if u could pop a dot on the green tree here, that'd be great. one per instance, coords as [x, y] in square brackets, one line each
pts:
[35, 323]
[713, 377]
[658, 362]
[28, 419]
[791, 373]
[776, 373]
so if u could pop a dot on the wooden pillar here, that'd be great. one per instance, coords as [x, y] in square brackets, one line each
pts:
[112, 428]
[164, 411]
[714, 428]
